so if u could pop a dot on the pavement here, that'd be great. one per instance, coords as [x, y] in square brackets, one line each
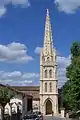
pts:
[54, 118]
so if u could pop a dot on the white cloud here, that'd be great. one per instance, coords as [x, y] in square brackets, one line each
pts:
[61, 60]
[68, 6]
[14, 52]
[62, 63]
[29, 75]
[37, 50]
[2, 11]
[11, 75]
[24, 3]
[4, 3]
[18, 78]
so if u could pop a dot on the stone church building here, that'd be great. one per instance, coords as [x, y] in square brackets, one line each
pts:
[48, 81]
[45, 96]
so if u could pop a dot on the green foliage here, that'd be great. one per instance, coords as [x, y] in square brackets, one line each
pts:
[5, 95]
[71, 90]
[75, 49]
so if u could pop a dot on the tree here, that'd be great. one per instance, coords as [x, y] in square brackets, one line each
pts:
[75, 49]
[71, 90]
[5, 96]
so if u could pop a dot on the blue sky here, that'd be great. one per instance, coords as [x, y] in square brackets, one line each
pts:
[22, 35]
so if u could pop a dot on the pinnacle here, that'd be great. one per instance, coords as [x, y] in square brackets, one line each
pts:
[47, 12]
[48, 44]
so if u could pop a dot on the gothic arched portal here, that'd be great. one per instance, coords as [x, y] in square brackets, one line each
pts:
[48, 107]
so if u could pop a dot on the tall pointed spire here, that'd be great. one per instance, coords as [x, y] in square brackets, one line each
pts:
[48, 44]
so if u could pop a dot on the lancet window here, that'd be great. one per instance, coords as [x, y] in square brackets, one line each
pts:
[50, 74]
[50, 85]
[45, 87]
[45, 73]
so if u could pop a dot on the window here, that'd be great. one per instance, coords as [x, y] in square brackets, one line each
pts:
[45, 73]
[52, 58]
[55, 57]
[47, 58]
[50, 74]
[45, 87]
[43, 58]
[50, 85]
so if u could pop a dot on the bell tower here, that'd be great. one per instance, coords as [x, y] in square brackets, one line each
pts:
[48, 81]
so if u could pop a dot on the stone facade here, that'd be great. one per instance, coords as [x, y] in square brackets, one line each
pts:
[48, 81]
[33, 91]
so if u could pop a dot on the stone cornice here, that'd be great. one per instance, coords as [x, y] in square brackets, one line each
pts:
[48, 94]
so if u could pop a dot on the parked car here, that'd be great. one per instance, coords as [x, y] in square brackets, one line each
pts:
[31, 117]
[39, 114]
[35, 109]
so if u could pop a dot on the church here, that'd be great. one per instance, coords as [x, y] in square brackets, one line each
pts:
[45, 96]
[48, 81]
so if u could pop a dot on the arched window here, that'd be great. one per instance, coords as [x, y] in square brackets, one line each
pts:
[55, 57]
[51, 58]
[45, 87]
[47, 58]
[50, 85]
[45, 73]
[43, 58]
[50, 74]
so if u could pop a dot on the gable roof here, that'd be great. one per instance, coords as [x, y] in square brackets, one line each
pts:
[15, 90]
[30, 90]
[27, 88]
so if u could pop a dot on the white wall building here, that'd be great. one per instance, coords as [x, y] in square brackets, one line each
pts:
[14, 103]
